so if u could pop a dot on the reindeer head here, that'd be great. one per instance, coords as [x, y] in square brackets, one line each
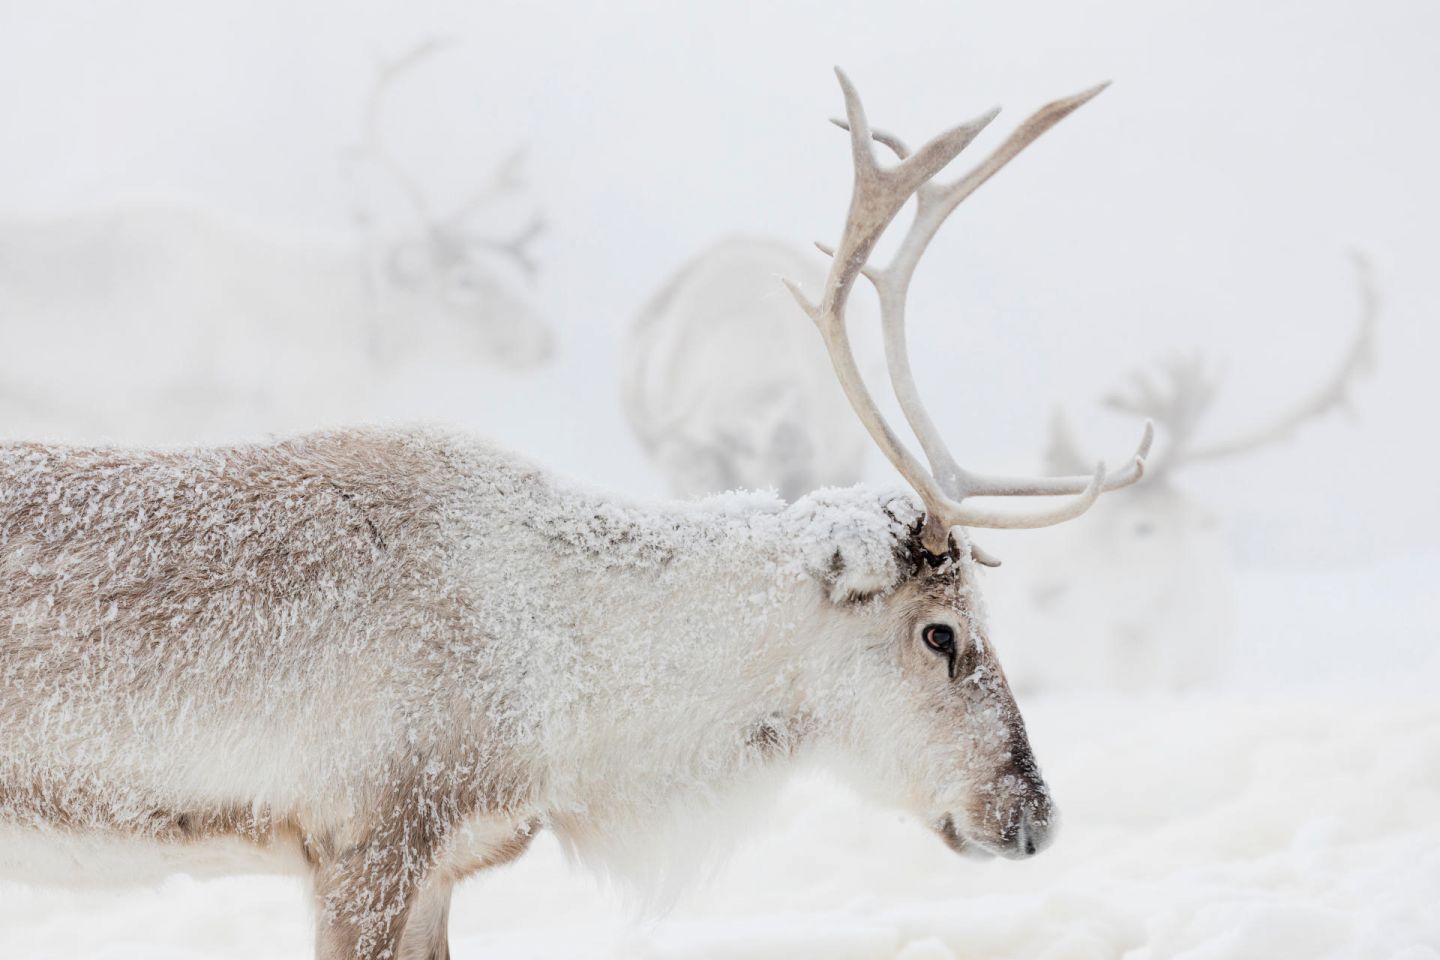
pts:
[1153, 605]
[935, 722]
[930, 724]
[441, 272]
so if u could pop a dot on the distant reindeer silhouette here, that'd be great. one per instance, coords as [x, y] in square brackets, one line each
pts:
[1161, 614]
[447, 260]
[166, 322]
[726, 391]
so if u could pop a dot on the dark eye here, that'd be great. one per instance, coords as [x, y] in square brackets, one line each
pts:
[940, 638]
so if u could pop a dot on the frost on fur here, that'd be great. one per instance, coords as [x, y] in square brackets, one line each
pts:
[386, 658]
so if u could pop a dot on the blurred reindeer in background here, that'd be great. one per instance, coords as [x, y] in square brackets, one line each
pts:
[174, 323]
[446, 264]
[724, 387]
[1161, 616]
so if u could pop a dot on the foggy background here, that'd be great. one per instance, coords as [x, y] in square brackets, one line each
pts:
[1208, 201]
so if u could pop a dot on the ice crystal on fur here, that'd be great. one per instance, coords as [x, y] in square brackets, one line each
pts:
[385, 658]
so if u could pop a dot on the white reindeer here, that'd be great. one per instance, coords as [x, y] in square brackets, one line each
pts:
[229, 326]
[725, 391]
[385, 659]
[1154, 606]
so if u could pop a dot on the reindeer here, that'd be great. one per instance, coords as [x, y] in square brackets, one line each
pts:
[725, 391]
[231, 325]
[446, 261]
[1159, 609]
[384, 659]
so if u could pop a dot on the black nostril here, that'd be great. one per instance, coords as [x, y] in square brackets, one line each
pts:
[1033, 834]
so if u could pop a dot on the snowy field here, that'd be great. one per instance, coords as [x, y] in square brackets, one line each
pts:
[1206, 201]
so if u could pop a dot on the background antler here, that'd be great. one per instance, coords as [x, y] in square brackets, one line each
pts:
[386, 75]
[1181, 401]
[449, 235]
[509, 178]
[1178, 403]
[1332, 393]
[877, 196]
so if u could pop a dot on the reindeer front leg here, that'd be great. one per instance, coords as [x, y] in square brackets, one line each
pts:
[364, 896]
[426, 934]
[368, 891]
[427, 929]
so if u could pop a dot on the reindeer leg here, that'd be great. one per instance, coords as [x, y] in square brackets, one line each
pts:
[363, 898]
[366, 893]
[427, 930]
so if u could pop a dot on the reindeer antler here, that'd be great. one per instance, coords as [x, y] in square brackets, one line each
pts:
[449, 233]
[877, 196]
[386, 74]
[1190, 385]
[1178, 405]
[1333, 392]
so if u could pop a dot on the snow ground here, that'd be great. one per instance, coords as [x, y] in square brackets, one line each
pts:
[1202, 829]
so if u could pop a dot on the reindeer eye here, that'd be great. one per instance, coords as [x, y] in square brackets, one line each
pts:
[940, 638]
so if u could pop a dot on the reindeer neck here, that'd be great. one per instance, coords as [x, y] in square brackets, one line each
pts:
[705, 633]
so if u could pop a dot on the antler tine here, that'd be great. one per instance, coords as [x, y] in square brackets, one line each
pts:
[896, 145]
[892, 284]
[508, 178]
[935, 204]
[879, 193]
[877, 196]
[1146, 400]
[1000, 485]
[1334, 392]
[517, 247]
[1179, 405]
[386, 73]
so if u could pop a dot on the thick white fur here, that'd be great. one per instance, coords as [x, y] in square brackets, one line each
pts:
[396, 651]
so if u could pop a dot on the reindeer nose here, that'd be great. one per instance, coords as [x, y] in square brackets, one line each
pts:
[1035, 832]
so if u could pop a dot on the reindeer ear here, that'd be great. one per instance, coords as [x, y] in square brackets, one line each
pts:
[855, 544]
[852, 579]
[1062, 452]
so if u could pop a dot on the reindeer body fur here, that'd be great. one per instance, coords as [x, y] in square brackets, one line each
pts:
[388, 656]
